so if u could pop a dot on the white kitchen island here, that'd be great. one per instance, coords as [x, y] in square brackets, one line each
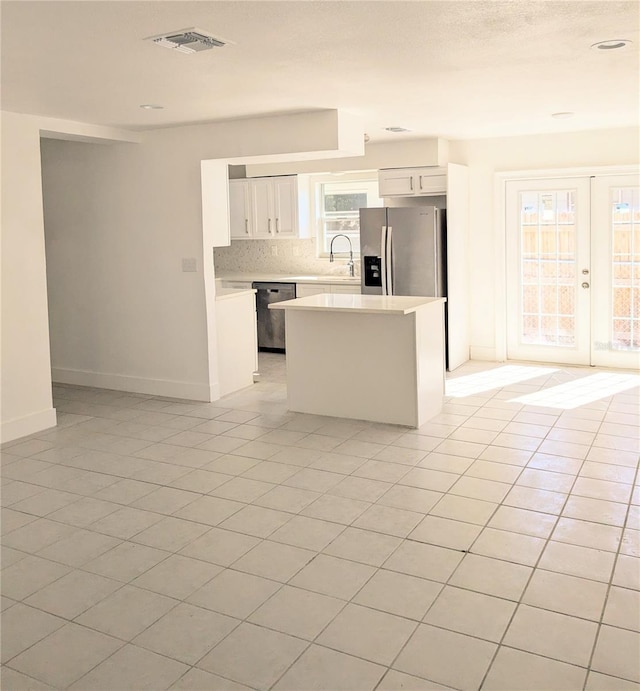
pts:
[368, 357]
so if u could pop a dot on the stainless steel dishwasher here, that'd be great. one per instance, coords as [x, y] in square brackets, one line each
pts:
[271, 322]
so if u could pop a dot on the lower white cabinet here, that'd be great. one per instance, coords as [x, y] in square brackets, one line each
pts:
[236, 285]
[347, 290]
[303, 290]
[237, 344]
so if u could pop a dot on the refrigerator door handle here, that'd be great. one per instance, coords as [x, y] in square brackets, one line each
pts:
[383, 258]
[389, 260]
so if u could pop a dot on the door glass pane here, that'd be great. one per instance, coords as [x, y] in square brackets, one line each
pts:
[548, 268]
[625, 288]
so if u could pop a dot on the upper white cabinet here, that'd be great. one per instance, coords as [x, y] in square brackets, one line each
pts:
[412, 182]
[239, 209]
[264, 208]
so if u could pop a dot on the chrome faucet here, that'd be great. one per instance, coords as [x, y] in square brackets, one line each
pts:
[350, 264]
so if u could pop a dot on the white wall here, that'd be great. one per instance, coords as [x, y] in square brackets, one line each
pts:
[485, 158]
[26, 385]
[118, 222]
[26, 373]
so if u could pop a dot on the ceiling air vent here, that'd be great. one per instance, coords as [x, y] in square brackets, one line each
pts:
[188, 40]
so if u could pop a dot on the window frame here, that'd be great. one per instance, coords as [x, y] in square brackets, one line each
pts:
[317, 183]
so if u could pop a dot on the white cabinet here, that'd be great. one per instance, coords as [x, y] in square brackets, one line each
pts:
[284, 193]
[412, 182]
[265, 208]
[235, 285]
[236, 340]
[345, 289]
[303, 290]
[239, 209]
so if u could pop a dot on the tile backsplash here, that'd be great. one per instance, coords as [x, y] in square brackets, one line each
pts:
[293, 256]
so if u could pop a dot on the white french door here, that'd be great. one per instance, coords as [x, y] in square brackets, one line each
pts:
[615, 295]
[573, 270]
[548, 310]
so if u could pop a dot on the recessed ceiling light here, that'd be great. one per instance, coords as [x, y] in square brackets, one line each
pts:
[396, 129]
[151, 106]
[612, 44]
[562, 116]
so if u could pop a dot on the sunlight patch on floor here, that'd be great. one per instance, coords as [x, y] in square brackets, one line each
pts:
[493, 379]
[580, 391]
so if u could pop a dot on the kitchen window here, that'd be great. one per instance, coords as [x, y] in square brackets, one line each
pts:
[338, 199]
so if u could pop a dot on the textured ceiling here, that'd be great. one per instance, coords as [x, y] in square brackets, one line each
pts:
[452, 69]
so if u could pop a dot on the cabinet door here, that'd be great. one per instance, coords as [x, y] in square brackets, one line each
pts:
[261, 206]
[432, 184]
[285, 206]
[399, 182]
[346, 289]
[239, 209]
[236, 285]
[303, 290]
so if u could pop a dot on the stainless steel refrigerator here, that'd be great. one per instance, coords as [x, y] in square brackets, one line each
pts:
[403, 251]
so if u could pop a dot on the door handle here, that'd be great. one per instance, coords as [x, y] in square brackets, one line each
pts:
[585, 272]
[389, 260]
[585, 285]
[383, 258]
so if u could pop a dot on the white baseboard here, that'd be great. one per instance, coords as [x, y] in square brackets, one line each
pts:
[483, 353]
[29, 424]
[123, 382]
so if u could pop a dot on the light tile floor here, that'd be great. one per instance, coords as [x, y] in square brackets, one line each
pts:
[151, 543]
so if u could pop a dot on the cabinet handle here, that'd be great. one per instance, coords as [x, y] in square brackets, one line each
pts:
[246, 226]
[420, 178]
[269, 226]
[411, 183]
[277, 225]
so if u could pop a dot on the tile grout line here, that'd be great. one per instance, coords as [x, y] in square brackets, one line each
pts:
[325, 492]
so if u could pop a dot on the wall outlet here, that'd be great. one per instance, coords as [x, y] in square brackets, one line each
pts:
[189, 264]
[274, 250]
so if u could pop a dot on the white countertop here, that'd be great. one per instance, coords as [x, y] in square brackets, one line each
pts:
[289, 278]
[227, 293]
[364, 304]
